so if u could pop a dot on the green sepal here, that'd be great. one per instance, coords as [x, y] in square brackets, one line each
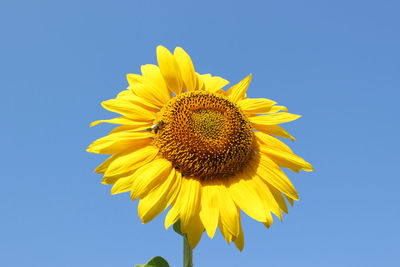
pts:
[177, 227]
[155, 262]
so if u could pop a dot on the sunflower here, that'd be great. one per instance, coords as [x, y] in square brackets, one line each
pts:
[208, 153]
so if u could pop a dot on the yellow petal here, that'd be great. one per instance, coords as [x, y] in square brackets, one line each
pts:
[200, 79]
[267, 224]
[138, 125]
[277, 109]
[195, 230]
[256, 105]
[209, 208]
[170, 70]
[270, 141]
[213, 84]
[124, 95]
[290, 200]
[238, 91]
[247, 198]
[146, 89]
[273, 130]
[152, 73]
[272, 119]
[101, 169]
[186, 67]
[117, 142]
[286, 159]
[112, 179]
[124, 128]
[190, 201]
[123, 185]
[149, 177]
[129, 110]
[269, 219]
[266, 197]
[225, 233]
[128, 95]
[131, 161]
[158, 199]
[270, 172]
[229, 212]
[239, 240]
[173, 193]
[278, 198]
[173, 213]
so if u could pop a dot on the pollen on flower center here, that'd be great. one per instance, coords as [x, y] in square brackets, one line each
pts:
[204, 135]
[209, 123]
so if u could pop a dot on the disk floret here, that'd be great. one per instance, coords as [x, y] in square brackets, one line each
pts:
[204, 135]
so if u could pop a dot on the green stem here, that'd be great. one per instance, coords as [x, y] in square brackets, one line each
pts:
[187, 253]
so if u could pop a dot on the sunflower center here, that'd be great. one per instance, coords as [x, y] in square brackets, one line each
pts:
[204, 135]
[209, 123]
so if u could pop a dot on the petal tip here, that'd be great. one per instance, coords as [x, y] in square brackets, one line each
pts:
[162, 49]
[308, 167]
[178, 49]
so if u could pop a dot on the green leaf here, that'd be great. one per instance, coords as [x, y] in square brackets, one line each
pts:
[177, 227]
[155, 262]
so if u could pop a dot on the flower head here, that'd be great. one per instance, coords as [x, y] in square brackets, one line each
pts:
[184, 142]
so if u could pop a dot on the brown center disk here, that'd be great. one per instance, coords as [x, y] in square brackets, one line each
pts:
[204, 135]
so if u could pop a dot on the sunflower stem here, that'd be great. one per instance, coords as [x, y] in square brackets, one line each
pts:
[187, 253]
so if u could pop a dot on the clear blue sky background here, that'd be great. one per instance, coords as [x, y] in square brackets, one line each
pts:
[335, 62]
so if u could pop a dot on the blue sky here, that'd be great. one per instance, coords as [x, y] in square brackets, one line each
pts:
[334, 62]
